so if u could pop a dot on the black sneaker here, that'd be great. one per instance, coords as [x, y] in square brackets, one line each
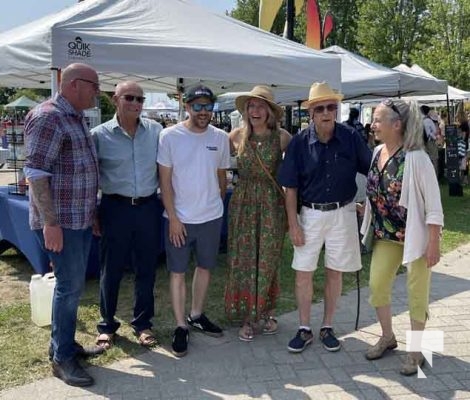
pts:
[328, 338]
[203, 324]
[301, 340]
[179, 345]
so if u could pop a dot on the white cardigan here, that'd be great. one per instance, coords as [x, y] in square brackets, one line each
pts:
[421, 197]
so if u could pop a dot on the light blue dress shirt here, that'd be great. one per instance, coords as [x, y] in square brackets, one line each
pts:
[128, 165]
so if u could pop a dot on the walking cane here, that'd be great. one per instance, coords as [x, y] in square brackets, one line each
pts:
[358, 300]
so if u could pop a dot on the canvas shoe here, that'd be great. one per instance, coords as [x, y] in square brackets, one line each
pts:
[179, 345]
[203, 324]
[328, 338]
[301, 340]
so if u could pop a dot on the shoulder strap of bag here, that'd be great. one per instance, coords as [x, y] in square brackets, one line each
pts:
[276, 185]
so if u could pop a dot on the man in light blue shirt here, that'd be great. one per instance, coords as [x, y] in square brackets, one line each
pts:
[128, 218]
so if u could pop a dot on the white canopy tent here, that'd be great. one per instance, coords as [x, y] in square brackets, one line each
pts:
[362, 80]
[21, 102]
[452, 92]
[164, 45]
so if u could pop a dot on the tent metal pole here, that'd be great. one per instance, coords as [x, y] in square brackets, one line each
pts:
[55, 80]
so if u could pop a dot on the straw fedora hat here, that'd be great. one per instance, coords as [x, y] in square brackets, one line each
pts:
[320, 91]
[260, 92]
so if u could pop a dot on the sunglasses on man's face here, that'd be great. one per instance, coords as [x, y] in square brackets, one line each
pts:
[95, 85]
[329, 107]
[389, 103]
[130, 98]
[198, 107]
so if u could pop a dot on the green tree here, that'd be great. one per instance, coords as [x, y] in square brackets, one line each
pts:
[346, 16]
[248, 11]
[5, 94]
[30, 93]
[388, 30]
[447, 52]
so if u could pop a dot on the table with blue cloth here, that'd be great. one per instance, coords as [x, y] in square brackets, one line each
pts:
[15, 232]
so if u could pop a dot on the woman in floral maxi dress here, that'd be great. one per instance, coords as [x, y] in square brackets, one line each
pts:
[257, 221]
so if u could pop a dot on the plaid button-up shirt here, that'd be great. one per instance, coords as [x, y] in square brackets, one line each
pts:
[59, 143]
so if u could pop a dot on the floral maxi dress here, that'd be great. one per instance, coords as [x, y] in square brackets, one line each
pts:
[256, 233]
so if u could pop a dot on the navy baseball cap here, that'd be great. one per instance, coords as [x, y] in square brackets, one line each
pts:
[197, 92]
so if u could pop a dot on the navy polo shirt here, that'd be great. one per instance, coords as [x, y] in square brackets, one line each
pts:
[325, 172]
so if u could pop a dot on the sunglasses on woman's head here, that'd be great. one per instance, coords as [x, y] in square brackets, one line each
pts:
[197, 107]
[131, 98]
[389, 103]
[329, 107]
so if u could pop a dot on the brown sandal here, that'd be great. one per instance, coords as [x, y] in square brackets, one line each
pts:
[105, 340]
[246, 333]
[270, 326]
[146, 338]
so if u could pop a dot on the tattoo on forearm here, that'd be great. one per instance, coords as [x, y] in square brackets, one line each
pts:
[41, 190]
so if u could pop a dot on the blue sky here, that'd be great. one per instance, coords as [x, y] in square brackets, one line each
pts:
[19, 12]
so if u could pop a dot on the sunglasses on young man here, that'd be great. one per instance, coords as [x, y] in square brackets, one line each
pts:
[130, 98]
[198, 107]
[329, 107]
[389, 103]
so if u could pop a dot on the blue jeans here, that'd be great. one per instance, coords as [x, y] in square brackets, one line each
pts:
[69, 269]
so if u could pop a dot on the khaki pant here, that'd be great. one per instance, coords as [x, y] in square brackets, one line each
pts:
[386, 259]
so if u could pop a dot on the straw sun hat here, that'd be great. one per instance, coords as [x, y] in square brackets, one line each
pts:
[260, 92]
[320, 91]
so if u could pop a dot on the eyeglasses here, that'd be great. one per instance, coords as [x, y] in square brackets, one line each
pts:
[130, 98]
[329, 107]
[198, 107]
[96, 85]
[389, 103]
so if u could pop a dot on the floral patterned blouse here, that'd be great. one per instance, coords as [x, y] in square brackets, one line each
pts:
[384, 191]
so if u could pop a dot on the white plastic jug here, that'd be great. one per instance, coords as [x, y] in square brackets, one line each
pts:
[41, 290]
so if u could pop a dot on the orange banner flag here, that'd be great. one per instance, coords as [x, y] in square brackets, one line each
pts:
[313, 36]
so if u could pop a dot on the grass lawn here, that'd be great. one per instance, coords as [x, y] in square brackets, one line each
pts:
[23, 346]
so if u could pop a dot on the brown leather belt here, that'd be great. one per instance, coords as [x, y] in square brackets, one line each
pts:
[326, 206]
[133, 201]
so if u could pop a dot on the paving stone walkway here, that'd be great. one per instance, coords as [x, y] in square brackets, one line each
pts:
[229, 369]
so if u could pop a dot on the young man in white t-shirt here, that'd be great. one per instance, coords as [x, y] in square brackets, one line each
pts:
[193, 157]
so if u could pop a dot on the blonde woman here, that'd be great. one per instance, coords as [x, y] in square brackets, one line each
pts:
[257, 221]
[404, 207]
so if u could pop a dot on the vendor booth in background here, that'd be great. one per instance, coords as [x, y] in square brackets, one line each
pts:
[14, 127]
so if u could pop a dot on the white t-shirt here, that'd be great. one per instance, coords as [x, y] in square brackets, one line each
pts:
[195, 159]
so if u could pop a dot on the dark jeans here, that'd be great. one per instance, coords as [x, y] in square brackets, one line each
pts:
[69, 269]
[130, 236]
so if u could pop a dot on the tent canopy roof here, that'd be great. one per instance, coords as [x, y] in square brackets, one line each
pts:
[364, 79]
[162, 45]
[453, 93]
[21, 102]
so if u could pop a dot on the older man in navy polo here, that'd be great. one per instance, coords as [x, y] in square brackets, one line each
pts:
[319, 170]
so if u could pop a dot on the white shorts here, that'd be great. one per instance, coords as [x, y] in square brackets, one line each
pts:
[338, 230]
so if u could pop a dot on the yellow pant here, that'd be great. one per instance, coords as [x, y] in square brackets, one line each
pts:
[386, 259]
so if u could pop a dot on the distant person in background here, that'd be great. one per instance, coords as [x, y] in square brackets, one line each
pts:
[405, 212]
[257, 220]
[62, 169]
[128, 220]
[430, 135]
[353, 122]
[462, 120]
